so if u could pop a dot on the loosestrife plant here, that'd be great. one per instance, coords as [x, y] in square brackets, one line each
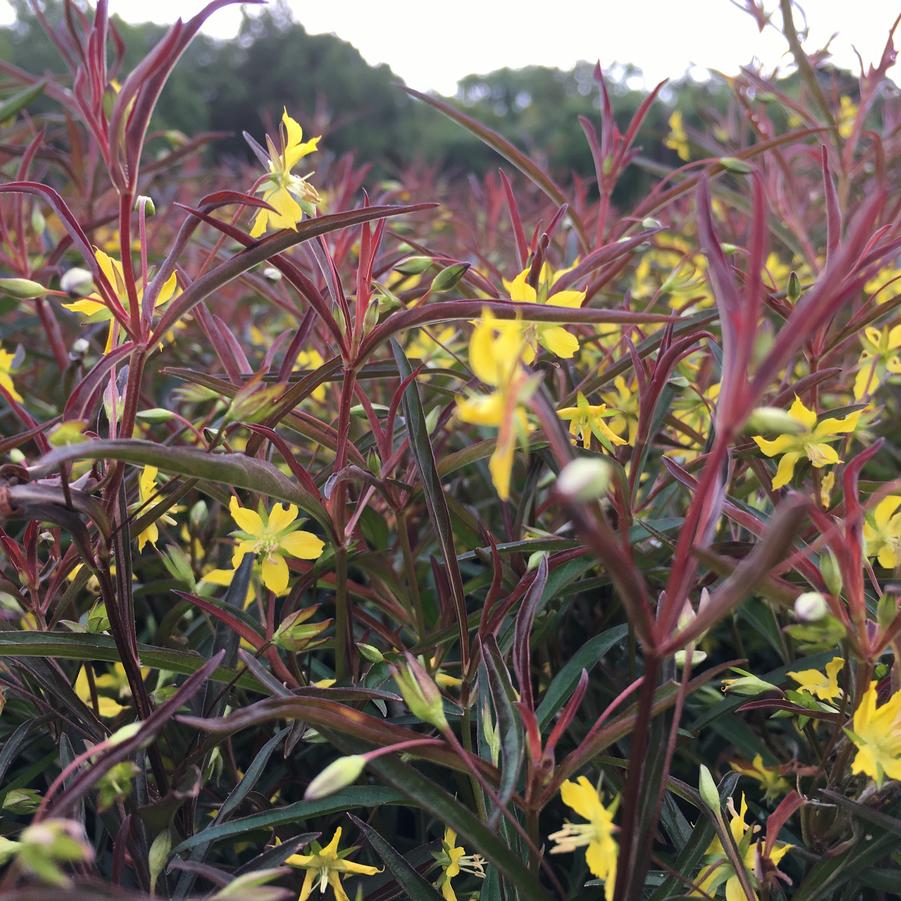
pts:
[437, 538]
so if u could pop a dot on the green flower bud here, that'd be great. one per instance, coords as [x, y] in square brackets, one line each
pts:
[734, 164]
[155, 414]
[157, 856]
[21, 288]
[749, 685]
[772, 421]
[295, 633]
[22, 800]
[887, 610]
[38, 222]
[149, 205]
[696, 657]
[420, 693]
[707, 789]
[448, 278]
[651, 222]
[414, 265]
[831, 572]
[584, 479]
[370, 653]
[337, 775]
[69, 432]
[98, 621]
[46, 845]
[793, 291]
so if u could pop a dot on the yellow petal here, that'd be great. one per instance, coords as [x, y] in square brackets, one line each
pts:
[280, 517]
[582, 797]
[571, 299]
[275, 573]
[803, 414]
[785, 470]
[248, 521]
[821, 455]
[833, 426]
[302, 544]
[781, 445]
[559, 341]
[88, 307]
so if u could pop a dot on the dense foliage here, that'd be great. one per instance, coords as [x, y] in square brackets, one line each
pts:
[508, 536]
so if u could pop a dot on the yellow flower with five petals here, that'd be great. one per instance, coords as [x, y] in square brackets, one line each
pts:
[271, 536]
[882, 532]
[881, 358]
[325, 867]
[454, 860]
[877, 735]
[812, 442]
[285, 192]
[552, 337]
[596, 836]
[820, 685]
[587, 419]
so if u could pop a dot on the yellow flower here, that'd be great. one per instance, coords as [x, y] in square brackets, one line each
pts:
[146, 490]
[883, 283]
[877, 734]
[882, 532]
[554, 338]
[773, 784]
[586, 420]
[6, 362]
[624, 400]
[454, 860]
[847, 114]
[825, 687]
[326, 866]
[812, 442]
[717, 868]
[429, 348]
[93, 307]
[879, 359]
[311, 360]
[271, 539]
[597, 834]
[495, 351]
[107, 707]
[285, 192]
[677, 139]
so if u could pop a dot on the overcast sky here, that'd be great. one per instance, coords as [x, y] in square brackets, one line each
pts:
[431, 45]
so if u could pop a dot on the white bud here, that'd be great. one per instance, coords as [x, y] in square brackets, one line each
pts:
[584, 479]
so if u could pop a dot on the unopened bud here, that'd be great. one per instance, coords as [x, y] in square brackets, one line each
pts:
[69, 432]
[155, 414]
[831, 572]
[810, 607]
[76, 281]
[38, 222]
[584, 479]
[295, 633]
[270, 273]
[370, 653]
[734, 164]
[414, 265]
[651, 222]
[420, 693]
[21, 288]
[707, 789]
[693, 655]
[748, 684]
[793, 291]
[887, 611]
[158, 855]
[448, 278]
[149, 205]
[337, 775]
[772, 421]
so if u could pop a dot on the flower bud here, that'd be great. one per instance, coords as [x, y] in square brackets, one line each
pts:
[772, 421]
[337, 775]
[707, 789]
[370, 653]
[584, 479]
[271, 274]
[419, 692]
[149, 205]
[694, 655]
[810, 607]
[98, 620]
[155, 414]
[887, 610]
[76, 281]
[21, 288]
[749, 685]
[734, 164]
[831, 572]
[651, 222]
[793, 291]
[414, 265]
[46, 845]
[158, 855]
[69, 432]
[295, 633]
[449, 277]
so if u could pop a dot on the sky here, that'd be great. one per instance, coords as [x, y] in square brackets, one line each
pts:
[431, 44]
